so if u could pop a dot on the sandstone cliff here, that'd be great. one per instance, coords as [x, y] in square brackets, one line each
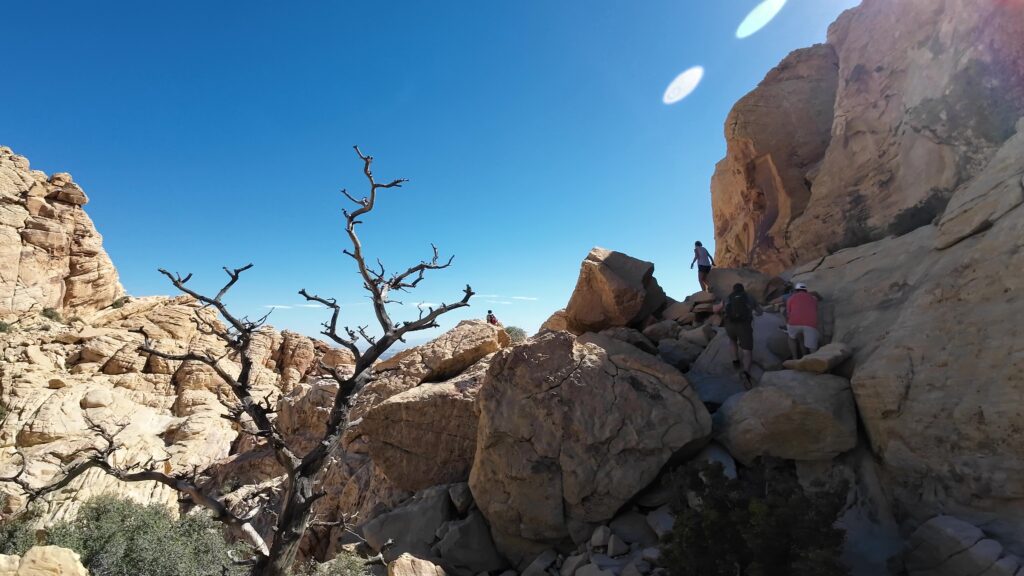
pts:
[908, 222]
[870, 134]
[50, 254]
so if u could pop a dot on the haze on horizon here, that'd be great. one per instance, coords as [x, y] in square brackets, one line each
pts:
[208, 136]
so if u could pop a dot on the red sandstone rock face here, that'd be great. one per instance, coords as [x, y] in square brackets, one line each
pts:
[926, 93]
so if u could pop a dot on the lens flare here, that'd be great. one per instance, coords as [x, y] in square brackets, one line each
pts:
[759, 17]
[683, 85]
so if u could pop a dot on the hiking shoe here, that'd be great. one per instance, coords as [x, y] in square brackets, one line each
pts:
[748, 380]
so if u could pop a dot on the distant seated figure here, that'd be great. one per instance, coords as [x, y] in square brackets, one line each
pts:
[802, 321]
[492, 319]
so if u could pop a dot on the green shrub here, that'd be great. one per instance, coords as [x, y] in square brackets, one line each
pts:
[52, 314]
[516, 334]
[4, 327]
[119, 537]
[764, 524]
[17, 533]
[345, 564]
[119, 302]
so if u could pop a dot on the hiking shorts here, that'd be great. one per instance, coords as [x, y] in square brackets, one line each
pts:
[742, 333]
[703, 269]
[809, 334]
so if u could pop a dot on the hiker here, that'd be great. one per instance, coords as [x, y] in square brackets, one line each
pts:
[492, 319]
[738, 311]
[802, 321]
[702, 258]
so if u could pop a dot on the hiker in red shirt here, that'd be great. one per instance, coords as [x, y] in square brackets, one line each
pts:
[802, 321]
[492, 319]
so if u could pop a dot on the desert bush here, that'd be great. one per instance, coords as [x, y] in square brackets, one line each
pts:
[4, 327]
[763, 524]
[52, 314]
[516, 334]
[118, 537]
[345, 564]
[17, 533]
[120, 302]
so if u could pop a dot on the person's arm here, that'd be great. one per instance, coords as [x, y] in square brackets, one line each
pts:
[711, 258]
[755, 306]
[694, 261]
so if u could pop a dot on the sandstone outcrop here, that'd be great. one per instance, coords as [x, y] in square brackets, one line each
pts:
[918, 111]
[947, 546]
[613, 289]
[50, 253]
[43, 561]
[570, 431]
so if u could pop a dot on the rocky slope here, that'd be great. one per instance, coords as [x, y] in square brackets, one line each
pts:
[50, 254]
[911, 229]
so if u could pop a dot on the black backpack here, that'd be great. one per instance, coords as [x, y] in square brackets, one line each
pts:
[737, 309]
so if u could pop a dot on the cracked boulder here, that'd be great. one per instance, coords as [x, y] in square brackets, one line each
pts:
[427, 435]
[613, 289]
[570, 430]
[948, 546]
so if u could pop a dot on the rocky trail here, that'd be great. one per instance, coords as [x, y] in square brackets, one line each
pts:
[884, 168]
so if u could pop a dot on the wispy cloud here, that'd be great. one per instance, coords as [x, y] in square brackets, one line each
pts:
[497, 302]
[311, 306]
[504, 299]
[525, 298]
[278, 306]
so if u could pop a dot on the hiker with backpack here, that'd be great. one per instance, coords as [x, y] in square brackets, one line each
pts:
[738, 312]
[802, 321]
[702, 258]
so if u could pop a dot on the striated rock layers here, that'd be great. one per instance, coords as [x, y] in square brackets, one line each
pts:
[50, 254]
[870, 134]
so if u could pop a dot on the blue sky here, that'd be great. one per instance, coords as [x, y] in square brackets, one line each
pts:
[218, 133]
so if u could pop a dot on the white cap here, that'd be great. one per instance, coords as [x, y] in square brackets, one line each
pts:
[800, 286]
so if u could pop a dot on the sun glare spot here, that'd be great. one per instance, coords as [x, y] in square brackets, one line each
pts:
[759, 17]
[683, 85]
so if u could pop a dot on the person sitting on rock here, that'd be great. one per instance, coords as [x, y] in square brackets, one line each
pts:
[702, 258]
[802, 321]
[738, 311]
[492, 319]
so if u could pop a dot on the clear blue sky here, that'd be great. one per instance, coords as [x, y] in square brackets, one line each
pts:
[218, 133]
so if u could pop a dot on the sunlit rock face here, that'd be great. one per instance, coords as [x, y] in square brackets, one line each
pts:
[50, 254]
[924, 95]
[909, 222]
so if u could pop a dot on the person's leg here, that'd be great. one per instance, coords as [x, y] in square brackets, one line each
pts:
[794, 344]
[746, 345]
[731, 332]
[811, 339]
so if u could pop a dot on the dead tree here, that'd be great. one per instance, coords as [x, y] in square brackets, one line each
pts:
[301, 491]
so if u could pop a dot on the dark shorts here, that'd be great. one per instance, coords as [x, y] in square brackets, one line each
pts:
[742, 333]
[704, 269]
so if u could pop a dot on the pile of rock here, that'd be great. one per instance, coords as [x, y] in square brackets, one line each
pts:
[43, 561]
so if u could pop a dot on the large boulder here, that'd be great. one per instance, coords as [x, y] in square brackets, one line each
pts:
[790, 415]
[412, 527]
[948, 546]
[427, 435]
[409, 565]
[444, 357]
[43, 561]
[613, 289]
[572, 430]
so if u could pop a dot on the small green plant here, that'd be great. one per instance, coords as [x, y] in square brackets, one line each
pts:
[118, 537]
[17, 534]
[119, 302]
[516, 334]
[74, 319]
[4, 327]
[763, 524]
[52, 314]
[344, 564]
